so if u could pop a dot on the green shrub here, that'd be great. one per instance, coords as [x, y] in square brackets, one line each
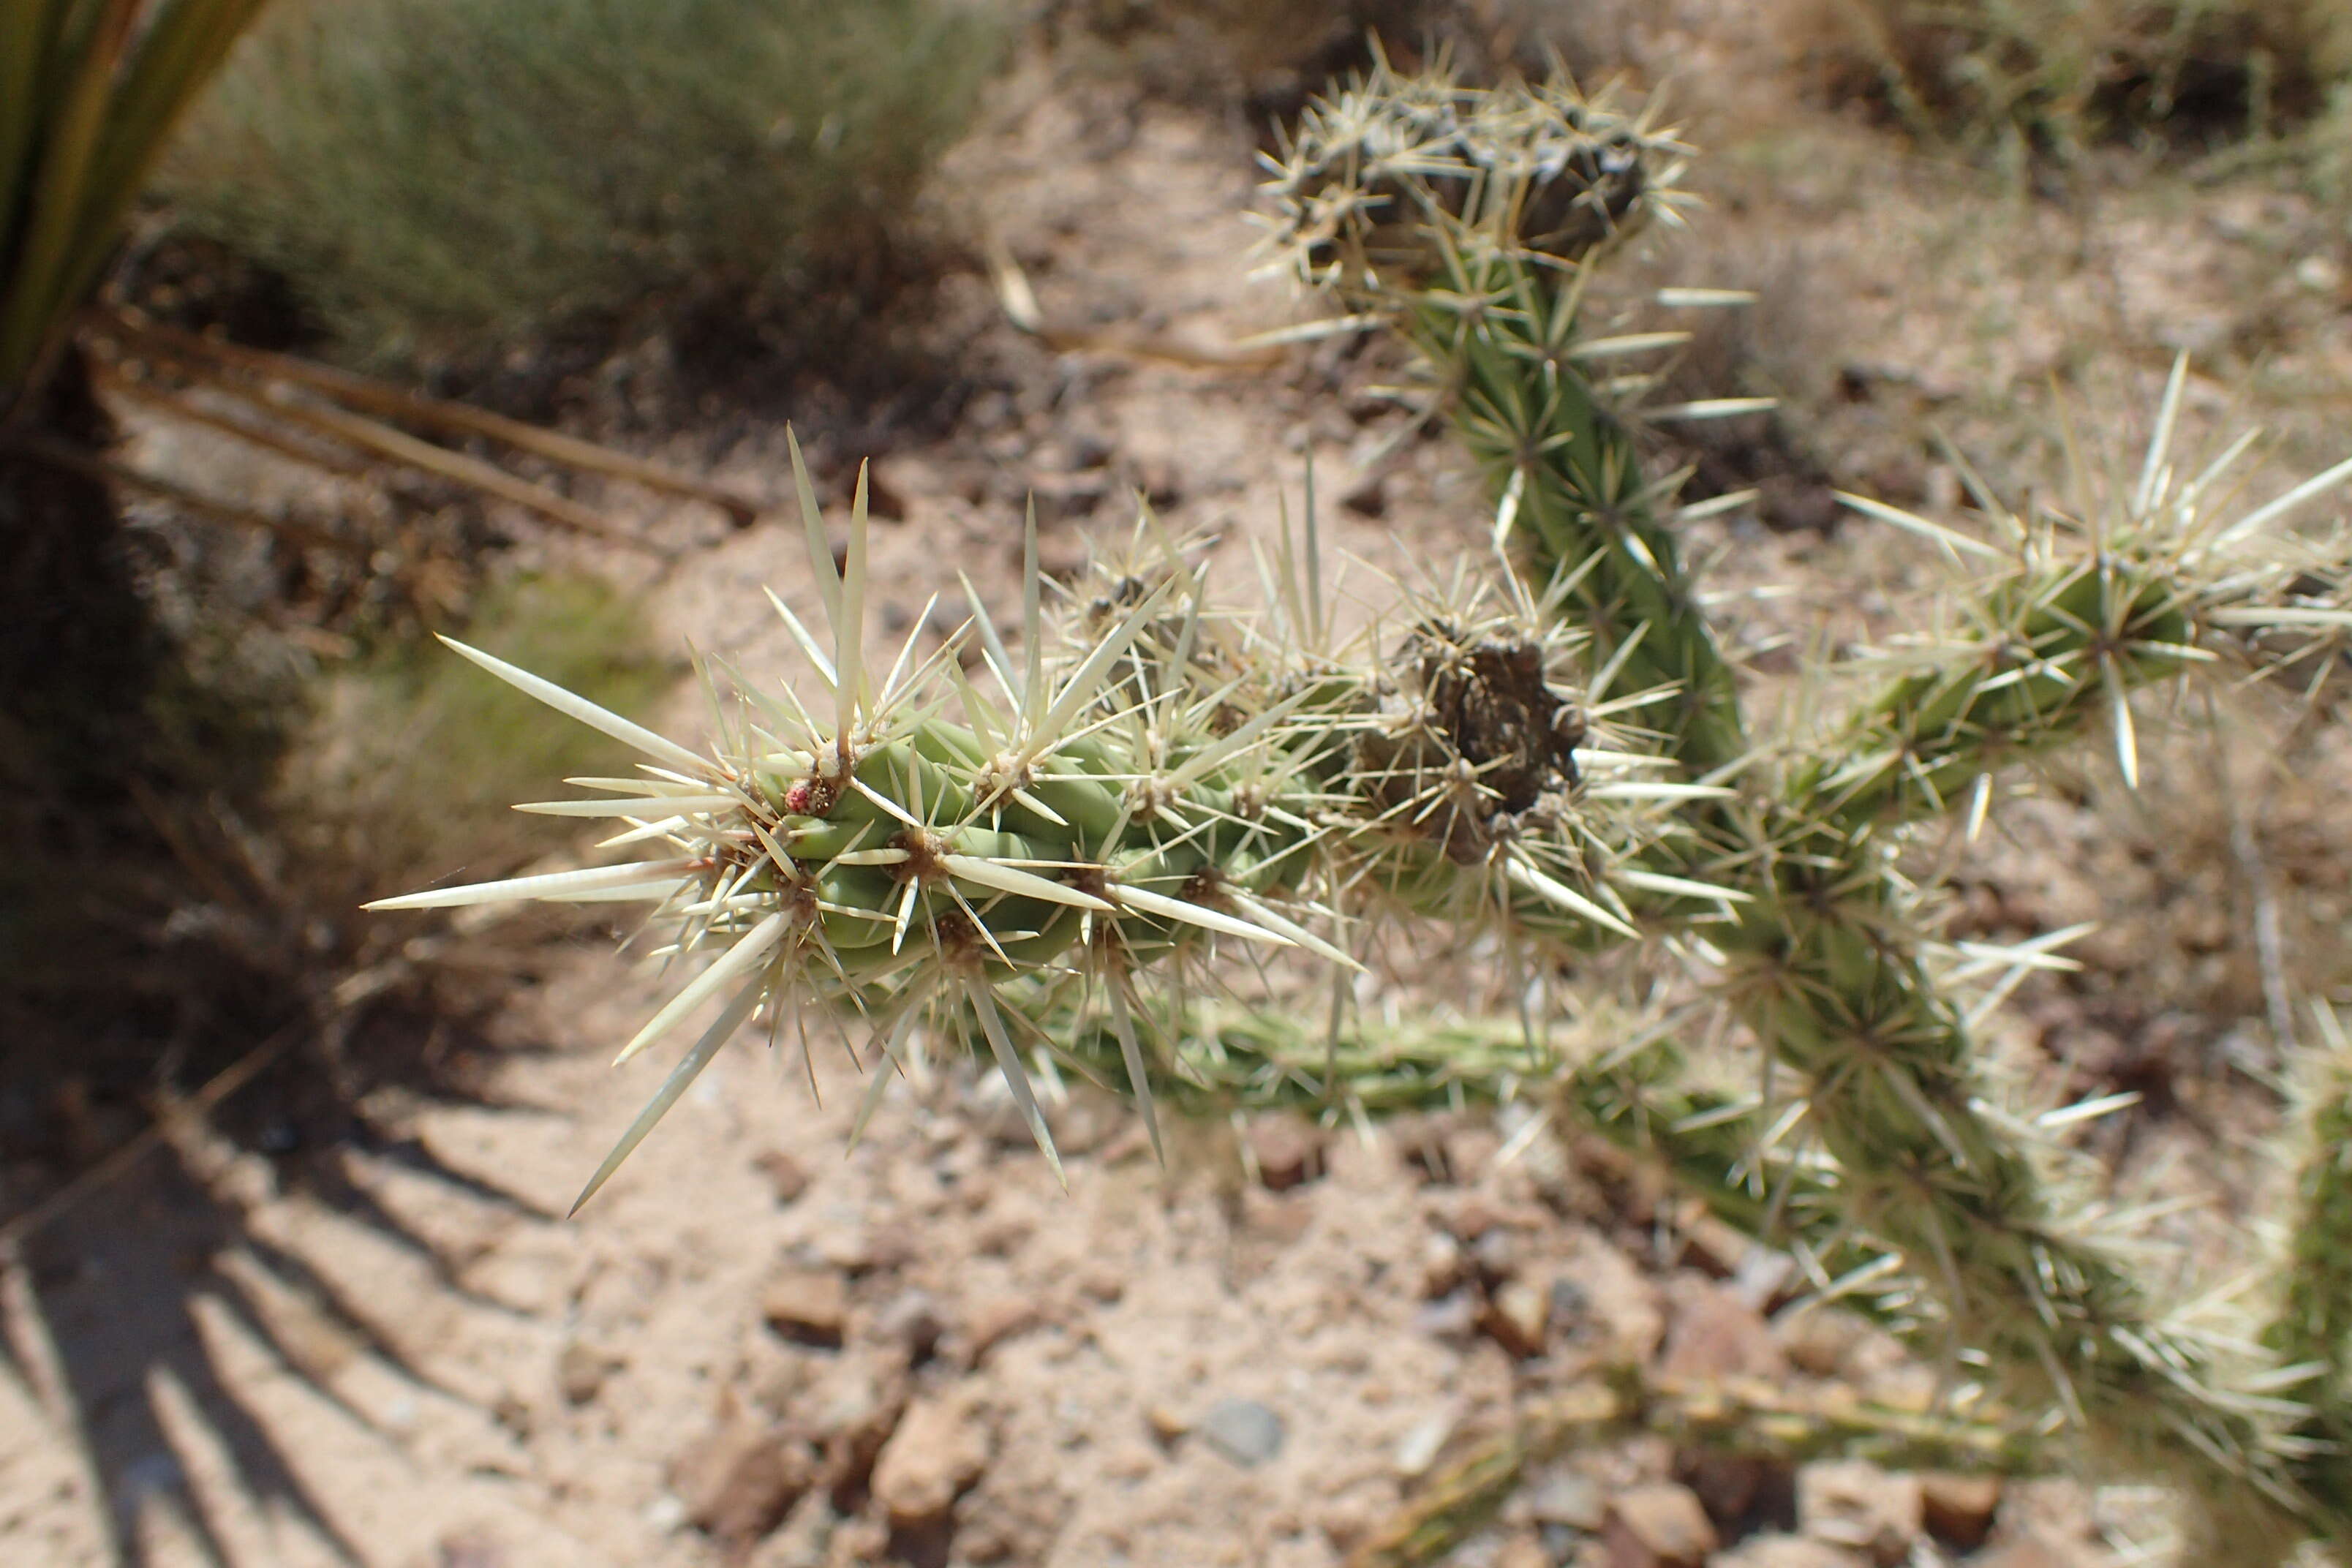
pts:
[446, 174]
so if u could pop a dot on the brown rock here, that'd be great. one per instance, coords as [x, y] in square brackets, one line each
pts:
[912, 1320]
[1657, 1526]
[809, 1306]
[1776, 1551]
[1286, 1151]
[581, 1371]
[934, 1456]
[1820, 1339]
[1959, 1509]
[993, 1320]
[1349, 1518]
[740, 1479]
[1522, 1552]
[1518, 1317]
[1715, 1334]
[786, 1178]
[1727, 1485]
[1850, 1503]
[1617, 1299]
[1441, 1265]
[1367, 496]
[851, 1409]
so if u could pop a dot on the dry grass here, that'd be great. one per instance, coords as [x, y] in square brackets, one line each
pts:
[2023, 79]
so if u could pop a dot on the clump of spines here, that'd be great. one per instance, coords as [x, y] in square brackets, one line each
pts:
[1104, 814]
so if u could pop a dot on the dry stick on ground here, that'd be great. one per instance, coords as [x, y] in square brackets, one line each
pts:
[56, 454]
[115, 383]
[457, 466]
[1743, 1417]
[383, 441]
[396, 402]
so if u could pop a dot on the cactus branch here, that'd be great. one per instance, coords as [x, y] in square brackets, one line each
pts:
[1160, 791]
[1433, 208]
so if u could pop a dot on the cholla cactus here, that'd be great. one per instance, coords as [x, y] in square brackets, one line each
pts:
[1559, 758]
[1826, 959]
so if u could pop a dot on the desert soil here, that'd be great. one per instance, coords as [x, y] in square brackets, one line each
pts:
[760, 1347]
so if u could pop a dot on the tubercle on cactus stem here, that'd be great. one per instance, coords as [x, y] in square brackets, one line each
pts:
[1160, 790]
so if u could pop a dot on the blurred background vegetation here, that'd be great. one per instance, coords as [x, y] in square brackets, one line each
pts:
[438, 179]
[2025, 79]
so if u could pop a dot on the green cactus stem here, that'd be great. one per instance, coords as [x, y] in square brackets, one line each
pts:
[1416, 202]
[2312, 1326]
[1165, 787]
[1734, 1417]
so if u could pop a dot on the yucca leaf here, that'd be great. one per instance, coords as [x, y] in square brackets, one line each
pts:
[61, 168]
[177, 53]
[26, 26]
[87, 94]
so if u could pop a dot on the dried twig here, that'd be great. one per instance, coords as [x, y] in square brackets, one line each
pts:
[359, 392]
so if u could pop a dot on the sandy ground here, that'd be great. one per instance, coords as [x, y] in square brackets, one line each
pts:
[754, 1348]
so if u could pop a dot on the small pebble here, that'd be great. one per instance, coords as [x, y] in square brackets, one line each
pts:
[1658, 1526]
[580, 1373]
[1519, 1318]
[1286, 1151]
[1959, 1509]
[808, 1306]
[1418, 1449]
[786, 1178]
[1244, 1431]
[1568, 1497]
[1449, 1316]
